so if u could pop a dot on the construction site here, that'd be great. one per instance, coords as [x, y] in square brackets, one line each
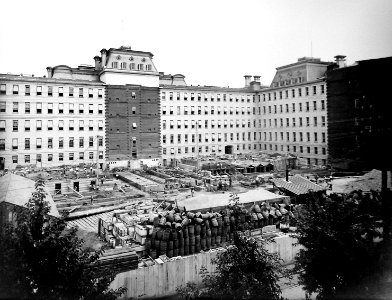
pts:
[159, 218]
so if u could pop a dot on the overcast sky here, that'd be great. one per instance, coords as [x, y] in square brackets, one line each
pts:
[210, 42]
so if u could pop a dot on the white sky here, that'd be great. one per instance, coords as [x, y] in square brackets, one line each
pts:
[210, 42]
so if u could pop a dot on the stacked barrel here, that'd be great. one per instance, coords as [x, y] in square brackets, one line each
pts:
[184, 233]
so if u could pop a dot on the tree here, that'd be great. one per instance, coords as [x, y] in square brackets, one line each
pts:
[342, 246]
[40, 258]
[245, 270]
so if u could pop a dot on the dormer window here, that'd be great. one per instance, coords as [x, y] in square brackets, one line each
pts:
[118, 57]
[131, 58]
[114, 65]
[143, 59]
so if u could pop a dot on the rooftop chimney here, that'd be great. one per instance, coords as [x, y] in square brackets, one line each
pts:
[97, 60]
[103, 58]
[340, 60]
[256, 78]
[248, 78]
[49, 70]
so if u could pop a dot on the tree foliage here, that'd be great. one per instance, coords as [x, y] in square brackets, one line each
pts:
[245, 270]
[342, 245]
[40, 258]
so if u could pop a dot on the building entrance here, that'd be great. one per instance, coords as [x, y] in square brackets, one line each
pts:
[229, 149]
[2, 163]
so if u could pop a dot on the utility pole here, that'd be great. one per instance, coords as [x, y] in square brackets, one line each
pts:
[97, 184]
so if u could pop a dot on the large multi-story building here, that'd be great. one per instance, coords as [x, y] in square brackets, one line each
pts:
[123, 112]
[290, 116]
[359, 108]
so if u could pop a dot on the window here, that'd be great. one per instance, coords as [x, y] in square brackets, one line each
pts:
[71, 142]
[50, 157]
[90, 125]
[114, 65]
[133, 95]
[38, 143]
[91, 155]
[322, 104]
[27, 144]
[2, 106]
[307, 91]
[61, 108]
[322, 89]
[99, 93]
[300, 106]
[61, 156]
[123, 65]
[314, 105]
[91, 141]
[39, 108]
[308, 149]
[90, 93]
[90, 109]
[315, 121]
[81, 108]
[50, 143]
[27, 159]
[80, 92]
[2, 89]
[323, 137]
[39, 125]
[61, 143]
[100, 155]
[50, 124]
[61, 91]
[132, 66]
[14, 144]
[81, 142]
[293, 93]
[61, 124]
[323, 121]
[308, 136]
[39, 157]
[140, 67]
[100, 125]
[50, 91]
[14, 159]
[15, 107]
[314, 90]
[315, 136]
[299, 92]
[14, 125]
[71, 125]
[315, 150]
[100, 109]
[15, 90]
[71, 92]
[71, 156]
[307, 106]
[27, 90]
[134, 126]
[50, 108]
[27, 125]
[100, 141]
[71, 108]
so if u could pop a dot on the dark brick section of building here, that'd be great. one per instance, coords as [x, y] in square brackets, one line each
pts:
[359, 115]
[132, 122]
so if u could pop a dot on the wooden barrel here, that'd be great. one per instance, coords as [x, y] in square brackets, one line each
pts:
[226, 220]
[214, 231]
[162, 246]
[192, 240]
[203, 230]
[159, 234]
[186, 250]
[197, 239]
[186, 241]
[213, 242]
[185, 232]
[191, 249]
[153, 253]
[170, 245]
[180, 242]
[214, 222]
[208, 224]
[218, 240]
[157, 242]
[191, 229]
[223, 239]
[208, 242]
[203, 243]
[208, 232]
[147, 244]
[174, 235]
[176, 244]
[219, 220]
[175, 252]
[197, 229]
[197, 248]
[166, 235]
[169, 253]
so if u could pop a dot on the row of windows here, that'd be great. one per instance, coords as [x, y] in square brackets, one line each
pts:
[292, 109]
[296, 136]
[50, 157]
[285, 122]
[209, 110]
[209, 124]
[50, 91]
[284, 94]
[50, 108]
[296, 149]
[207, 149]
[289, 81]
[18, 143]
[293, 93]
[219, 137]
[131, 66]
[50, 125]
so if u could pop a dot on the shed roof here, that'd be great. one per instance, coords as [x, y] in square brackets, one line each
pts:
[17, 190]
[297, 185]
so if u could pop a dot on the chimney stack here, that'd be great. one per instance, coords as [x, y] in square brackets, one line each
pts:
[256, 78]
[97, 60]
[49, 70]
[247, 80]
[340, 60]
[103, 58]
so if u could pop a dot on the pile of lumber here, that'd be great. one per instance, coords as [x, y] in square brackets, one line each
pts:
[117, 261]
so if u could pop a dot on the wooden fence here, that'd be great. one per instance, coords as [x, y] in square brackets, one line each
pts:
[163, 279]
